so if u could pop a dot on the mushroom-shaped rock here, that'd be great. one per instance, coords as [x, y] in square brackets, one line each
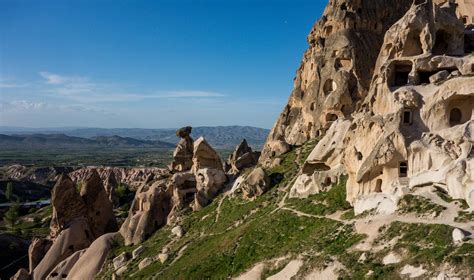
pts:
[148, 212]
[99, 208]
[183, 154]
[255, 184]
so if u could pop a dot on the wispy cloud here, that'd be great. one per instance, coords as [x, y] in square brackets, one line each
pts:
[56, 79]
[20, 106]
[83, 89]
[12, 85]
[188, 94]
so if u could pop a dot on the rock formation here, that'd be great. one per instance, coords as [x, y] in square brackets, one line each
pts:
[132, 177]
[98, 206]
[183, 154]
[336, 70]
[77, 220]
[148, 212]
[400, 120]
[242, 157]
[110, 185]
[253, 184]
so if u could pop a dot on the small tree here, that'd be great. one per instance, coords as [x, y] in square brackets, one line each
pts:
[11, 216]
[9, 191]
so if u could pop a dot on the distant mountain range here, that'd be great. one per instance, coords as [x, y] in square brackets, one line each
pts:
[223, 137]
[64, 141]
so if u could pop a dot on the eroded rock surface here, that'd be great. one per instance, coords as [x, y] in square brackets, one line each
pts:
[399, 115]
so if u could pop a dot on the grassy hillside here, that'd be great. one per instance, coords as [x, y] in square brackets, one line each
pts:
[231, 236]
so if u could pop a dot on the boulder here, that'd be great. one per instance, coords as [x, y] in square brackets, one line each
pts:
[439, 77]
[121, 260]
[255, 184]
[163, 257]
[391, 258]
[144, 263]
[137, 252]
[148, 212]
[458, 235]
[178, 231]
[98, 206]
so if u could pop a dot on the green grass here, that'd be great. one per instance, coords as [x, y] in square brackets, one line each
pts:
[464, 217]
[428, 245]
[33, 224]
[306, 150]
[218, 250]
[445, 196]
[323, 203]
[419, 205]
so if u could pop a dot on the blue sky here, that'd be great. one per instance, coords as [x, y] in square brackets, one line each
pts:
[151, 64]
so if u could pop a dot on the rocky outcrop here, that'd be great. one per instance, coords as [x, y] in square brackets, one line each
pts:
[22, 274]
[132, 177]
[37, 250]
[408, 121]
[149, 211]
[205, 156]
[110, 185]
[99, 209]
[92, 259]
[75, 237]
[183, 154]
[40, 175]
[209, 183]
[77, 220]
[253, 184]
[242, 157]
[336, 70]
[61, 270]
[159, 202]
[67, 205]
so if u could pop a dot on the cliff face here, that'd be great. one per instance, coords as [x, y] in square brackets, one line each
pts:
[391, 104]
[336, 70]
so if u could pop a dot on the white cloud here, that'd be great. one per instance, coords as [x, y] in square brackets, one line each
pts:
[11, 85]
[25, 105]
[188, 94]
[56, 79]
[83, 89]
